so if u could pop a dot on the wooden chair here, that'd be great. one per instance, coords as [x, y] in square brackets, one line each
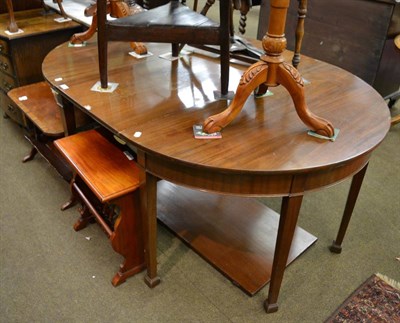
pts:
[172, 23]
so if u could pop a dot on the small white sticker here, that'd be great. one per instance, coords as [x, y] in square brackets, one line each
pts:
[23, 98]
[87, 107]
[19, 31]
[77, 45]
[58, 79]
[64, 86]
[110, 87]
[138, 56]
[62, 19]
[168, 56]
[137, 134]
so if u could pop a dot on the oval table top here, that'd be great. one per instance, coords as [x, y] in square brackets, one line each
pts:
[163, 99]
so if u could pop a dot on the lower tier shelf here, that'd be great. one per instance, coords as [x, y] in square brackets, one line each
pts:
[236, 235]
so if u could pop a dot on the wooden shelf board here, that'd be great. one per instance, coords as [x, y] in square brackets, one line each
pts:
[236, 235]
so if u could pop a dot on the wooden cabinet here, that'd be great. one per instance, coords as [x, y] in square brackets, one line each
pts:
[356, 35]
[19, 5]
[22, 54]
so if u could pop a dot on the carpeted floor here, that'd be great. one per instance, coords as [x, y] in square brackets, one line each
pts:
[50, 273]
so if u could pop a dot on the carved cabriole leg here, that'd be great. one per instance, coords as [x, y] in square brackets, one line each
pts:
[290, 78]
[302, 11]
[119, 9]
[274, 43]
[127, 237]
[12, 26]
[80, 38]
[250, 80]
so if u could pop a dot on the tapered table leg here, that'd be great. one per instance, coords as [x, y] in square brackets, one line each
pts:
[355, 187]
[287, 224]
[150, 228]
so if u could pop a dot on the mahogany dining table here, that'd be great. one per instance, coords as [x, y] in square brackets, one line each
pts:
[205, 189]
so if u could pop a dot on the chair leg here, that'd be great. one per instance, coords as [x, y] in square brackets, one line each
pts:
[224, 71]
[225, 16]
[12, 26]
[103, 64]
[102, 42]
[175, 50]
[302, 11]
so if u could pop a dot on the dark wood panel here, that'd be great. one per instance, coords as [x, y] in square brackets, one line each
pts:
[19, 5]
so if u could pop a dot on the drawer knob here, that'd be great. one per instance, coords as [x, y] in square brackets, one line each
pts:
[4, 66]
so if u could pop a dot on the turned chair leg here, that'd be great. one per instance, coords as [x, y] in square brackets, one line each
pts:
[302, 11]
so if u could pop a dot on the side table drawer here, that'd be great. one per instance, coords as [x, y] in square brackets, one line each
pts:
[10, 109]
[4, 47]
[7, 82]
[6, 65]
